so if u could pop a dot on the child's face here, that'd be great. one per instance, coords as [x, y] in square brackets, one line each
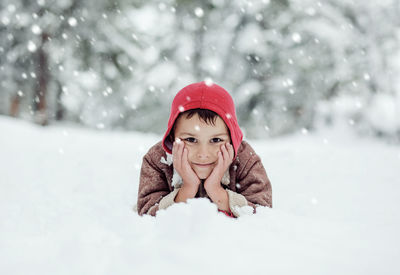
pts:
[203, 142]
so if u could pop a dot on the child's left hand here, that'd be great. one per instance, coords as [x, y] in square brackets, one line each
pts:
[225, 158]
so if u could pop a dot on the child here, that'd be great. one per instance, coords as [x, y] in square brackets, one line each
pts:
[202, 155]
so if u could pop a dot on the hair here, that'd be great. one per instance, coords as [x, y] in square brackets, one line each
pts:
[208, 116]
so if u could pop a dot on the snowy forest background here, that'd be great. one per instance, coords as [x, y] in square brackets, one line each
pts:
[290, 65]
[323, 76]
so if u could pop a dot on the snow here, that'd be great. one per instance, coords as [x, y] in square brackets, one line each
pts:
[384, 114]
[31, 46]
[67, 195]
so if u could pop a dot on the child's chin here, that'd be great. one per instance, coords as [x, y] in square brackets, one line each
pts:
[203, 176]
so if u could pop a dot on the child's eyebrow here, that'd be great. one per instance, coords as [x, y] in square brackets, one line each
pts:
[190, 134]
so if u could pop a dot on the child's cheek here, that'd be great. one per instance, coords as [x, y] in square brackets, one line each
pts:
[190, 157]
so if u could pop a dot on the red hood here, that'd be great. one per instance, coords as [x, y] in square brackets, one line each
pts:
[205, 96]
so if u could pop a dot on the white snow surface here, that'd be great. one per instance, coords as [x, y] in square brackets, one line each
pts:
[66, 198]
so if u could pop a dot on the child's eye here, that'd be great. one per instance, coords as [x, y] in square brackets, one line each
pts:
[190, 139]
[215, 140]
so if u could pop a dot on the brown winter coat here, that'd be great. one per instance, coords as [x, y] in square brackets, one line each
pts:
[245, 181]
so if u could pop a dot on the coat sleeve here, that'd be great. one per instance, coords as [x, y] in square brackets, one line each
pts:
[153, 187]
[254, 187]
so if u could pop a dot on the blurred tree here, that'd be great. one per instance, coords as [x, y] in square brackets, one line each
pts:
[109, 64]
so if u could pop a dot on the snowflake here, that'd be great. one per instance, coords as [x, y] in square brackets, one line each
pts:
[31, 46]
[36, 29]
[199, 12]
[209, 81]
[296, 37]
[72, 22]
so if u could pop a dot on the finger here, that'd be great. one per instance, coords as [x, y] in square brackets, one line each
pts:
[177, 158]
[220, 161]
[174, 151]
[227, 155]
[185, 156]
[224, 152]
[231, 151]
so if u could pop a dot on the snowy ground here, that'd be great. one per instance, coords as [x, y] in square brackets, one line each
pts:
[66, 197]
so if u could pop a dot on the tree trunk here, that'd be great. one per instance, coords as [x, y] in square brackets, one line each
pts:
[41, 87]
[59, 108]
[14, 108]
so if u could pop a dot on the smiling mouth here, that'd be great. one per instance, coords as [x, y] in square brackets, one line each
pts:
[203, 165]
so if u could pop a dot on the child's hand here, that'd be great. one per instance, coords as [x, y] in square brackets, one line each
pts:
[225, 158]
[182, 166]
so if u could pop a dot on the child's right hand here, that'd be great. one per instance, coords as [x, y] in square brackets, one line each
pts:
[182, 166]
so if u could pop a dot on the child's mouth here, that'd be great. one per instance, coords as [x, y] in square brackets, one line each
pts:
[203, 165]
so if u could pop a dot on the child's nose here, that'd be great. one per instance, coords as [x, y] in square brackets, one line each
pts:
[203, 152]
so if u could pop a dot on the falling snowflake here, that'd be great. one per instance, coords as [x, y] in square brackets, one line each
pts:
[181, 108]
[5, 21]
[32, 46]
[296, 37]
[36, 29]
[199, 12]
[72, 22]
[209, 81]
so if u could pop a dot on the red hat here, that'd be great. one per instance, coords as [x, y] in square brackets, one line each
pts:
[205, 96]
